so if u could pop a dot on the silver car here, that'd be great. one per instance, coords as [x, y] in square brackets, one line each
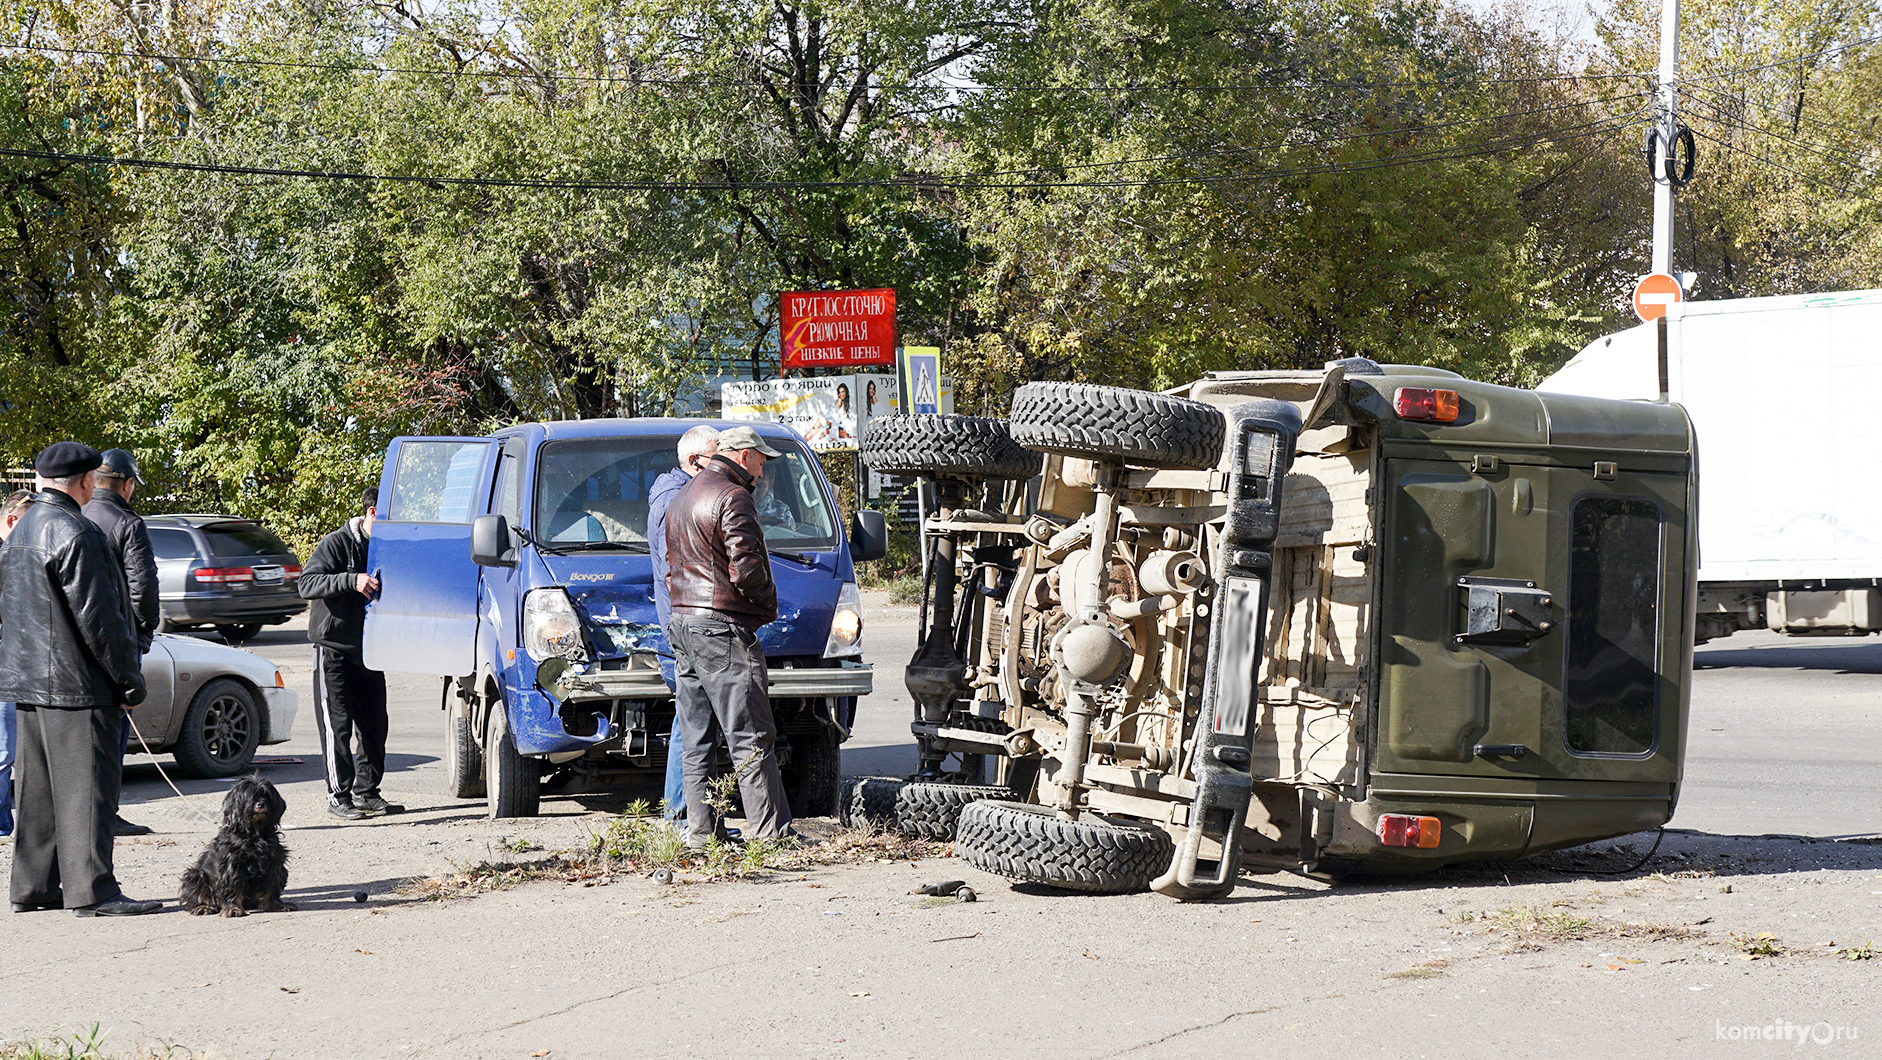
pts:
[210, 705]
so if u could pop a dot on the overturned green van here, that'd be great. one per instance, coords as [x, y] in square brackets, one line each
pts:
[1376, 617]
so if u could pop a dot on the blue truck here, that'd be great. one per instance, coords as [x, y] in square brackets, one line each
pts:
[516, 568]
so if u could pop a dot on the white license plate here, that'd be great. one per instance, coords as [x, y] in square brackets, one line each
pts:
[267, 574]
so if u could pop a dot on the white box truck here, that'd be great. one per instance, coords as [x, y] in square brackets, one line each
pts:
[1782, 394]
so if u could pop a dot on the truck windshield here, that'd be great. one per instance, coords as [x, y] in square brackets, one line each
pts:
[594, 491]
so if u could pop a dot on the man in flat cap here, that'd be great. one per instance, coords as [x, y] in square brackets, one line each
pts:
[124, 530]
[69, 659]
[719, 579]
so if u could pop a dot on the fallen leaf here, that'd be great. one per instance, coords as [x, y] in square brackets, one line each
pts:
[540, 1052]
[195, 986]
[1632, 960]
[362, 951]
[290, 990]
[1832, 942]
[1615, 967]
[1747, 957]
[859, 993]
[1093, 956]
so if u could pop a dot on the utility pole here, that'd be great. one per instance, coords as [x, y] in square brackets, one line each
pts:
[1666, 137]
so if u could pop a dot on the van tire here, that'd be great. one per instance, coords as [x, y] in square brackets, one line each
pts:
[871, 803]
[1111, 423]
[931, 811]
[966, 446]
[1094, 854]
[813, 781]
[512, 783]
[463, 758]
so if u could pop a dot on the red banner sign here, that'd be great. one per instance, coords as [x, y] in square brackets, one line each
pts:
[837, 329]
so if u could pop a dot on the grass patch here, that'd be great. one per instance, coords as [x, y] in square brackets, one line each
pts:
[1763, 944]
[1530, 923]
[1431, 969]
[486, 876]
[86, 1045]
[1865, 952]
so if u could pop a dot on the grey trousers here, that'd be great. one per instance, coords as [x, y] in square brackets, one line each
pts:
[719, 687]
[69, 774]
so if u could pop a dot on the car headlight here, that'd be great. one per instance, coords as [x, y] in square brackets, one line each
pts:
[846, 626]
[551, 629]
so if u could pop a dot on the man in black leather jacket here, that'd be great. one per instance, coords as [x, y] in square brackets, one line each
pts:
[124, 530]
[69, 658]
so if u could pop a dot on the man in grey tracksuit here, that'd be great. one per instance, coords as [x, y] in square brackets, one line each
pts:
[349, 699]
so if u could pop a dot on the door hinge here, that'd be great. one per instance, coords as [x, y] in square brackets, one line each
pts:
[1483, 465]
[1605, 470]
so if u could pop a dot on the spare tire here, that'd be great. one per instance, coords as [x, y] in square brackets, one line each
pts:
[869, 802]
[970, 446]
[1112, 423]
[930, 811]
[1096, 854]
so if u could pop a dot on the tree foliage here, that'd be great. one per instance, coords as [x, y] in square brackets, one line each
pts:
[604, 198]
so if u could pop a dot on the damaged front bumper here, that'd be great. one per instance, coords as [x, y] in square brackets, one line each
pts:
[642, 679]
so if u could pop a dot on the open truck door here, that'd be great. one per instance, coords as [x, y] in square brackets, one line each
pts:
[425, 618]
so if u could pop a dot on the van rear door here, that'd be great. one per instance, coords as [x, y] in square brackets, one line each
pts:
[425, 619]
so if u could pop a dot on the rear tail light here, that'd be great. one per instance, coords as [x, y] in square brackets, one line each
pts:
[1403, 830]
[219, 575]
[1431, 406]
[289, 570]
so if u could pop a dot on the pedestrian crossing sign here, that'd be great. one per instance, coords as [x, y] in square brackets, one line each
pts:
[921, 378]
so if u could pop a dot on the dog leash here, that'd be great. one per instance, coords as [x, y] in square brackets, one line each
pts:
[131, 715]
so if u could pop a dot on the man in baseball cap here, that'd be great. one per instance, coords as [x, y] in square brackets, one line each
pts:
[745, 438]
[719, 579]
[124, 530]
[69, 659]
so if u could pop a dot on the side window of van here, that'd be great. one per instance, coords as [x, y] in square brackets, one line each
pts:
[172, 544]
[436, 482]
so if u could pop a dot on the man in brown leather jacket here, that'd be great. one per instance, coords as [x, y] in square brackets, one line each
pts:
[719, 577]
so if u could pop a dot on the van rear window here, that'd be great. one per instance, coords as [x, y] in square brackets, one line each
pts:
[1611, 690]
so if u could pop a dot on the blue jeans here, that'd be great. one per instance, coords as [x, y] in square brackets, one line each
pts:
[9, 741]
[675, 796]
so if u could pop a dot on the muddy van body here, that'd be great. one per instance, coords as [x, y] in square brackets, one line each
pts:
[1376, 618]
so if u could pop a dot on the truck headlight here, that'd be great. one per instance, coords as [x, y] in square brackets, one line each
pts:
[846, 626]
[551, 629]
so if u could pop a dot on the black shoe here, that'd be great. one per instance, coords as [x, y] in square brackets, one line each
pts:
[375, 804]
[119, 906]
[346, 811]
[34, 907]
[120, 826]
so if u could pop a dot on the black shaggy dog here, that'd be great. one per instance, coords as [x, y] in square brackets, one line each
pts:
[245, 867]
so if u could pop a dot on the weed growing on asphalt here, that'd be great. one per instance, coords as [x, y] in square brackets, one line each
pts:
[488, 876]
[1865, 952]
[641, 840]
[1526, 921]
[86, 1045]
[1430, 969]
[1763, 944]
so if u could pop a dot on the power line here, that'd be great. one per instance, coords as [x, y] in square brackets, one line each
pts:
[532, 75]
[1279, 145]
[1845, 156]
[1712, 98]
[1496, 146]
[1805, 177]
[1775, 63]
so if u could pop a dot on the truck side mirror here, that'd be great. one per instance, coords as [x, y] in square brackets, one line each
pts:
[869, 536]
[490, 542]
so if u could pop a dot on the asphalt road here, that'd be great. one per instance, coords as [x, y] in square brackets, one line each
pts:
[1785, 733]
